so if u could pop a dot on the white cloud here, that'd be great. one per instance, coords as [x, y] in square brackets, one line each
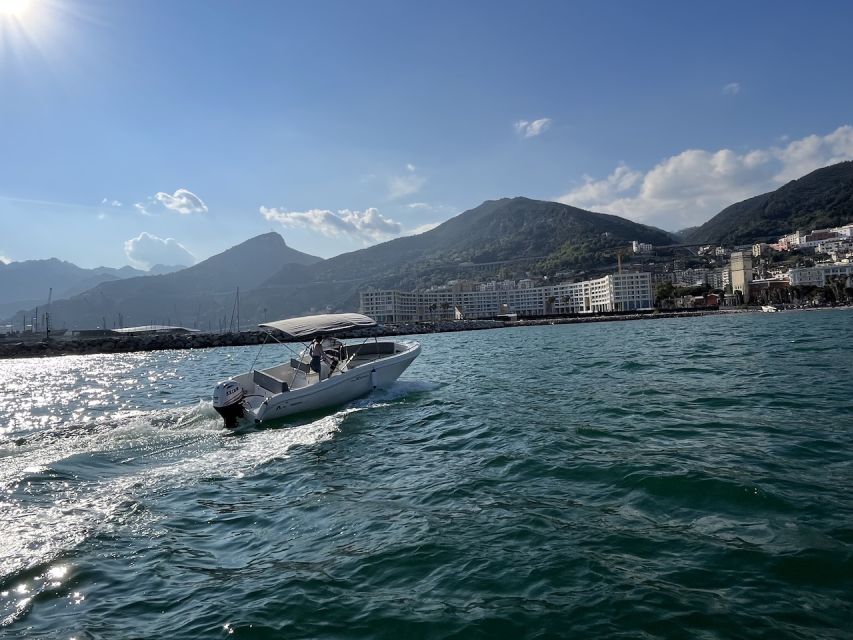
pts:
[405, 185]
[146, 250]
[182, 201]
[732, 89]
[5, 260]
[621, 180]
[111, 203]
[528, 129]
[367, 225]
[689, 188]
[418, 205]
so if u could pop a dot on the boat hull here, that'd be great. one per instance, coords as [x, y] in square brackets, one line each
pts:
[336, 390]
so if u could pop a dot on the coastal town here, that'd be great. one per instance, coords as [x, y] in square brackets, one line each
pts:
[800, 269]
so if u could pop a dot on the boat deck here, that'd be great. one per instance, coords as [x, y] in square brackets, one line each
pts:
[261, 384]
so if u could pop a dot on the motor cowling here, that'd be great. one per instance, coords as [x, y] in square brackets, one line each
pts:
[228, 402]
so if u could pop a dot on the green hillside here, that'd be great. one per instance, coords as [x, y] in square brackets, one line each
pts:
[823, 198]
[507, 237]
[549, 235]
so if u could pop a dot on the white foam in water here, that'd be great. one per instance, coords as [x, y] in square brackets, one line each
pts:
[175, 448]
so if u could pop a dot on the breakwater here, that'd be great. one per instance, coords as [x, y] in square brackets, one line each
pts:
[165, 341]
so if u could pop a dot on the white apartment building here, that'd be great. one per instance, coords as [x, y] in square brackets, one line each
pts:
[800, 240]
[819, 274]
[617, 292]
[845, 231]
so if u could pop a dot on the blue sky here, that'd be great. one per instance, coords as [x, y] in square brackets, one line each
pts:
[147, 131]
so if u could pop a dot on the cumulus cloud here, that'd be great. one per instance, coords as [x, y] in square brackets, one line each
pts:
[368, 225]
[405, 185]
[528, 129]
[732, 89]
[146, 250]
[183, 201]
[111, 203]
[689, 188]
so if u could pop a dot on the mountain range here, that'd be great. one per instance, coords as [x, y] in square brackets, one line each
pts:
[27, 283]
[510, 237]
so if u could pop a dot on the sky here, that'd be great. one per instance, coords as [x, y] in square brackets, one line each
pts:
[151, 131]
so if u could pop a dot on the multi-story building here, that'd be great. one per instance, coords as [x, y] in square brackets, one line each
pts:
[616, 292]
[741, 272]
[760, 249]
[692, 277]
[800, 240]
[820, 274]
[717, 278]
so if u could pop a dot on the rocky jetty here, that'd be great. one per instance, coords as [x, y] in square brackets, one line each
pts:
[125, 344]
[164, 341]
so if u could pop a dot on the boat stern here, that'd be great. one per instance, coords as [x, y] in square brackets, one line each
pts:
[228, 402]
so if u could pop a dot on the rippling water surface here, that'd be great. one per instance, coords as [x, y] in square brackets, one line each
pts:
[671, 478]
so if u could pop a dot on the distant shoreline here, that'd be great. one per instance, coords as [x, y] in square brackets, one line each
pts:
[162, 342]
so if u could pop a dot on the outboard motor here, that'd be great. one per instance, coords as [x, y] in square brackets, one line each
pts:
[228, 402]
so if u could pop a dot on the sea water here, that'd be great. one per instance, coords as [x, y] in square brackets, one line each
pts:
[678, 478]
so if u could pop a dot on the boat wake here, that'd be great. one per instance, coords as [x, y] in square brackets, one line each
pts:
[62, 486]
[59, 490]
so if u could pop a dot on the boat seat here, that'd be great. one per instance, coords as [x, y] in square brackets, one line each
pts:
[268, 382]
[300, 366]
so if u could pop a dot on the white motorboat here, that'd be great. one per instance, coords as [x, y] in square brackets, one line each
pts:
[769, 308]
[347, 371]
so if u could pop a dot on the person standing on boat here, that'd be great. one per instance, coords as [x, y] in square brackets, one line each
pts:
[317, 355]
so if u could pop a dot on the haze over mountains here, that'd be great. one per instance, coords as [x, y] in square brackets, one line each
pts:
[500, 238]
[27, 283]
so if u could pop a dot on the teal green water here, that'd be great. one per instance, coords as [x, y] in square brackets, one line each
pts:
[684, 478]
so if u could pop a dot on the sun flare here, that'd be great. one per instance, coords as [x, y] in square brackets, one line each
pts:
[14, 8]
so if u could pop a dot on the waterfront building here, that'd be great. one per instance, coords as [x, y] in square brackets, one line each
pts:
[627, 291]
[820, 274]
[741, 272]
